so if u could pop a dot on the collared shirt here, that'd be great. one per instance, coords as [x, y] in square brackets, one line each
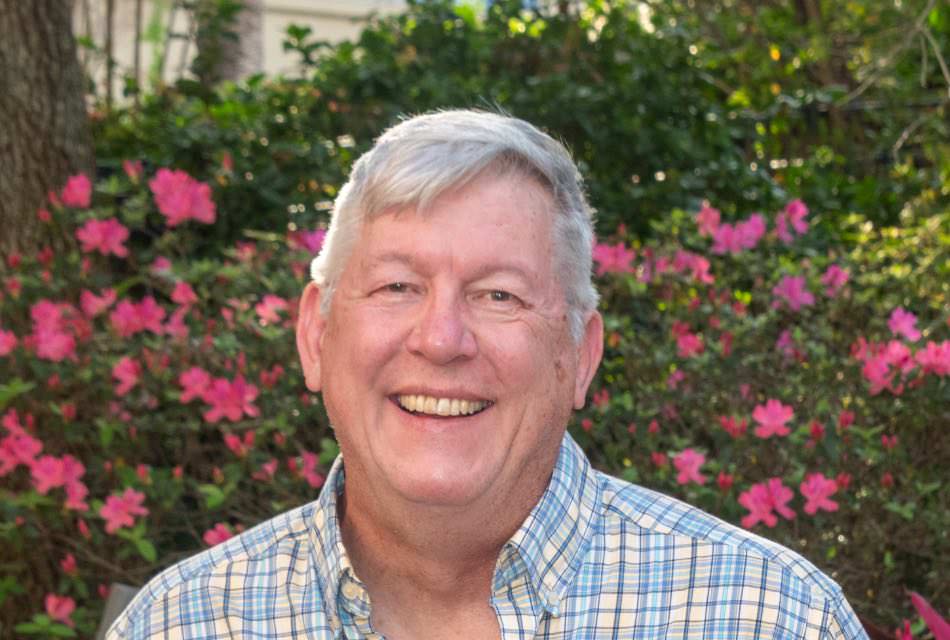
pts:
[596, 558]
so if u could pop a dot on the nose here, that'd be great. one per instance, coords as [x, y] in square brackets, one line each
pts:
[441, 334]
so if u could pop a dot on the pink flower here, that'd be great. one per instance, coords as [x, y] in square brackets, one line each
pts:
[60, 608]
[230, 400]
[793, 291]
[237, 446]
[49, 472]
[726, 240]
[834, 278]
[761, 499]
[308, 469]
[104, 236]
[689, 345]
[659, 459]
[8, 342]
[935, 622]
[18, 447]
[697, 265]
[733, 426]
[845, 419]
[724, 481]
[176, 327]
[904, 634]
[179, 197]
[673, 380]
[877, 371]
[772, 417]
[92, 305]
[781, 228]
[183, 294]
[688, 462]
[934, 358]
[132, 169]
[269, 307]
[310, 241]
[750, 231]
[613, 259]
[161, 264]
[76, 493]
[127, 373]
[77, 192]
[797, 212]
[267, 471]
[120, 511]
[68, 565]
[129, 318]
[904, 323]
[194, 383]
[888, 442]
[817, 491]
[54, 345]
[217, 534]
[707, 220]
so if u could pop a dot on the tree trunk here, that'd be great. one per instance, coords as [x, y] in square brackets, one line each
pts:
[44, 135]
[244, 55]
[229, 38]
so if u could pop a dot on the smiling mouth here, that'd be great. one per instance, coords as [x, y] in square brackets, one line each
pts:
[442, 407]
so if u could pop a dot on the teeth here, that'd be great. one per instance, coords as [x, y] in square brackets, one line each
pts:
[441, 406]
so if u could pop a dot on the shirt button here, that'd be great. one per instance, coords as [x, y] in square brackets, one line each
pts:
[351, 590]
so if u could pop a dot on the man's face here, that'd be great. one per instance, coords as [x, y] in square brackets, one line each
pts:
[446, 361]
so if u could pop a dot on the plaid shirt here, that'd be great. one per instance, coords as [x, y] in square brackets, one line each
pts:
[596, 558]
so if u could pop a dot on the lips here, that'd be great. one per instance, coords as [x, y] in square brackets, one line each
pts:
[440, 405]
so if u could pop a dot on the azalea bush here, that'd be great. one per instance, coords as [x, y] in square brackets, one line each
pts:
[152, 405]
[150, 399]
[791, 385]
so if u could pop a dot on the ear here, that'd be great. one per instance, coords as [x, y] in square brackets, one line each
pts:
[589, 352]
[310, 327]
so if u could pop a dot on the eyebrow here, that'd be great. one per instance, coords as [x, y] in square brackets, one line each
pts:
[411, 261]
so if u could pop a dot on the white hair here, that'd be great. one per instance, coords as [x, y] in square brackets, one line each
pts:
[417, 160]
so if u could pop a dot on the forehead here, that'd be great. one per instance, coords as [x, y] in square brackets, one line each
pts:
[502, 223]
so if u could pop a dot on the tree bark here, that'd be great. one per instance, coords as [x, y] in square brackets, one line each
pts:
[230, 43]
[245, 55]
[44, 133]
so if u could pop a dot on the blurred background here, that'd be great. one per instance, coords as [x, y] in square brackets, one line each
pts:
[772, 185]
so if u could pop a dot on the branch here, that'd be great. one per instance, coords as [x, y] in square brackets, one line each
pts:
[889, 58]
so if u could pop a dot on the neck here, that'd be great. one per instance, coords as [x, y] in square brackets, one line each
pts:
[411, 553]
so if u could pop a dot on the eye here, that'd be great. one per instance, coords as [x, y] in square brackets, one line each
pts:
[499, 299]
[396, 287]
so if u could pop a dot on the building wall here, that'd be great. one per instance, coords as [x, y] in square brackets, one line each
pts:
[330, 20]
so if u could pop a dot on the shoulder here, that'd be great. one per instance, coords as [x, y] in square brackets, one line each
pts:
[694, 551]
[195, 595]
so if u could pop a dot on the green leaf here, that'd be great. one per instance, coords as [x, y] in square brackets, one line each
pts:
[9, 586]
[61, 631]
[328, 451]
[214, 496]
[13, 389]
[106, 433]
[146, 549]
[904, 510]
[30, 628]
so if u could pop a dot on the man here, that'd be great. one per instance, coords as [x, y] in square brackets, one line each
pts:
[452, 328]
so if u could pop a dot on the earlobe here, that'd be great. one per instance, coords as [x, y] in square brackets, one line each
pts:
[590, 351]
[310, 328]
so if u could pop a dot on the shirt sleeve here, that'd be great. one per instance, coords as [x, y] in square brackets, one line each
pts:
[844, 623]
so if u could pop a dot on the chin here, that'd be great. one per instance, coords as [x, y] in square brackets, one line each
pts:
[442, 484]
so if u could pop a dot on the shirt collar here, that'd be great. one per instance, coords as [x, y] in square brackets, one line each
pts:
[327, 549]
[553, 539]
[549, 546]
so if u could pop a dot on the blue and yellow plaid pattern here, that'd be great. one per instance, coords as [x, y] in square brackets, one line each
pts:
[596, 558]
